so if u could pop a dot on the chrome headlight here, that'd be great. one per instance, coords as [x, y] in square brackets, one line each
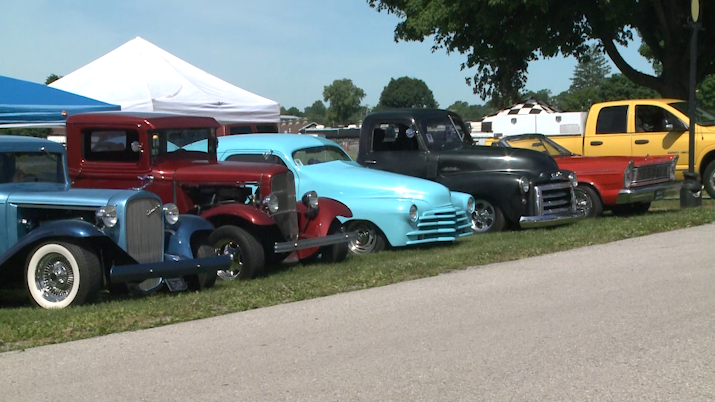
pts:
[271, 202]
[413, 213]
[573, 179]
[673, 167]
[310, 199]
[470, 205]
[628, 175]
[171, 213]
[107, 215]
[524, 185]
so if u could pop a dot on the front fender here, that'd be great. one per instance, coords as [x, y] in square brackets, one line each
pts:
[178, 236]
[68, 228]
[502, 189]
[246, 212]
[319, 226]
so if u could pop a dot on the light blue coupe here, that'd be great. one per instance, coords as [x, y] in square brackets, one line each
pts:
[388, 209]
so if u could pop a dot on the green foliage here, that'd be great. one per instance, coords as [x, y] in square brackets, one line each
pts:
[406, 92]
[615, 87]
[500, 37]
[293, 111]
[316, 112]
[591, 70]
[706, 93]
[52, 78]
[471, 112]
[344, 98]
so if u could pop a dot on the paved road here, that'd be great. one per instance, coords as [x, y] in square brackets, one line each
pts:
[627, 321]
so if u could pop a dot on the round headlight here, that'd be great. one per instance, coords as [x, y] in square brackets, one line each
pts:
[271, 202]
[413, 213]
[524, 185]
[470, 205]
[107, 215]
[628, 175]
[573, 179]
[310, 199]
[171, 213]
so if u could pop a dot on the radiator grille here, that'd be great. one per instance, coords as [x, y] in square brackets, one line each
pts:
[283, 186]
[554, 199]
[651, 174]
[440, 224]
[145, 231]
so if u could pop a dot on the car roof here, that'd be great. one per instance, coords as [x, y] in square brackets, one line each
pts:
[19, 143]
[286, 143]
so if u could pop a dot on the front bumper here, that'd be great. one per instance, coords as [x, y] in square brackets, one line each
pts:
[648, 193]
[287, 247]
[168, 269]
[541, 221]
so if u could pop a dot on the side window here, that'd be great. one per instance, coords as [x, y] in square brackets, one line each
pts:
[110, 146]
[651, 118]
[612, 120]
[233, 130]
[393, 137]
[273, 159]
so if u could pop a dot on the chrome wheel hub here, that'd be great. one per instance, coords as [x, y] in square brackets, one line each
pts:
[482, 217]
[366, 240]
[54, 277]
[231, 249]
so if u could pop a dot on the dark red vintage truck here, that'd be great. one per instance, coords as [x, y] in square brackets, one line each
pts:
[252, 205]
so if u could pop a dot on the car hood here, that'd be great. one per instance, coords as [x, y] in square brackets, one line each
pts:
[56, 194]
[606, 163]
[495, 159]
[341, 180]
[206, 172]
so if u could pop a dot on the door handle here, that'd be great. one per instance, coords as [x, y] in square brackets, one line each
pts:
[371, 162]
[596, 142]
[639, 142]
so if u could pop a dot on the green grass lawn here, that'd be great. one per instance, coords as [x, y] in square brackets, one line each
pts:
[22, 326]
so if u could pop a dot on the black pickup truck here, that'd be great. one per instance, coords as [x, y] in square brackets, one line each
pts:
[512, 187]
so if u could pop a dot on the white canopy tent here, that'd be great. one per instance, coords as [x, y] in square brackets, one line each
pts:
[140, 76]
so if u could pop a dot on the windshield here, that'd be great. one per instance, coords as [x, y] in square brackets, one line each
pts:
[443, 132]
[315, 155]
[31, 167]
[537, 143]
[178, 141]
[702, 117]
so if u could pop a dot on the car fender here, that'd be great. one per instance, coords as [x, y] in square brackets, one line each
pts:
[178, 236]
[318, 226]
[68, 228]
[243, 211]
[391, 216]
[501, 189]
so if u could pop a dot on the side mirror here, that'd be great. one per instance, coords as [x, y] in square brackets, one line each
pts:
[136, 147]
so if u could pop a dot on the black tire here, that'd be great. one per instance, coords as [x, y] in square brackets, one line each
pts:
[333, 253]
[61, 274]
[370, 239]
[637, 208]
[709, 179]
[249, 258]
[588, 200]
[203, 280]
[487, 217]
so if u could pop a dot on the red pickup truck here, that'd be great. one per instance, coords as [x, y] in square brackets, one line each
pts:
[252, 205]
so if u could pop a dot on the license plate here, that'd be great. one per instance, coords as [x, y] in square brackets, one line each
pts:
[175, 284]
[659, 194]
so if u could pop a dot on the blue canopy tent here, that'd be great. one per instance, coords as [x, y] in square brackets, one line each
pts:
[24, 103]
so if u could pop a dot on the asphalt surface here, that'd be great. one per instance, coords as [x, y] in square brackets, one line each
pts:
[627, 321]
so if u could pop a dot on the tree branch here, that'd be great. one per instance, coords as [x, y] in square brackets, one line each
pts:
[632, 74]
[662, 21]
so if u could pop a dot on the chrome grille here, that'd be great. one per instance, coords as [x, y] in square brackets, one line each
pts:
[651, 174]
[440, 224]
[555, 198]
[283, 186]
[145, 230]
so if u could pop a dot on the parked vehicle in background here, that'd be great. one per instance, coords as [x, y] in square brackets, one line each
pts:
[623, 184]
[387, 209]
[512, 187]
[634, 127]
[66, 244]
[253, 206]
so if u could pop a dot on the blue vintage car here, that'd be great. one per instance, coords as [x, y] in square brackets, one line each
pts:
[66, 244]
[388, 209]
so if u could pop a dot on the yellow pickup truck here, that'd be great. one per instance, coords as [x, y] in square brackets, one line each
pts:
[640, 127]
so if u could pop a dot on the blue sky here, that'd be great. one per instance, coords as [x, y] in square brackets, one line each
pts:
[285, 50]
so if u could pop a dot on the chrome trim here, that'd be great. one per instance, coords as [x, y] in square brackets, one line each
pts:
[144, 233]
[529, 222]
[647, 193]
[283, 187]
[287, 247]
